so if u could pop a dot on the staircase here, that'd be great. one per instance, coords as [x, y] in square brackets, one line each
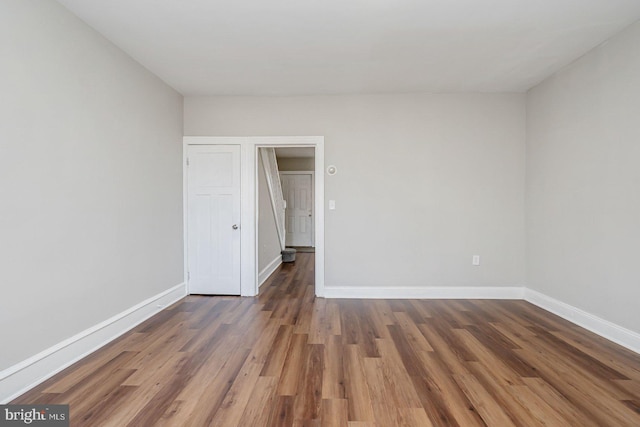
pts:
[268, 157]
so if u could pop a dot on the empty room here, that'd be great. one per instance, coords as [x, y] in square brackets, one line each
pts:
[320, 213]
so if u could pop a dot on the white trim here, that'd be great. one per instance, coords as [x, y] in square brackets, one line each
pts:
[185, 213]
[27, 374]
[269, 269]
[429, 292]
[618, 334]
[249, 200]
[249, 223]
[319, 218]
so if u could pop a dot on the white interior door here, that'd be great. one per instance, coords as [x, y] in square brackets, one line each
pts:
[297, 190]
[213, 219]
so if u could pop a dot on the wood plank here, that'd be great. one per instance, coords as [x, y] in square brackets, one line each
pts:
[237, 397]
[412, 333]
[333, 373]
[356, 386]
[487, 407]
[308, 400]
[283, 412]
[559, 402]
[593, 401]
[416, 417]
[459, 410]
[503, 394]
[385, 408]
[288, 385]
[278, 352]
[334, 413]
[261, 411]
[397, 381]
[494, 365]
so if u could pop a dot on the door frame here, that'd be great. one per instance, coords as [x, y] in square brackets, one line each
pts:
[249, 201]
[313, 200]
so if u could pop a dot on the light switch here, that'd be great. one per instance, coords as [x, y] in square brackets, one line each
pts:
[332, 205]
[476, 260]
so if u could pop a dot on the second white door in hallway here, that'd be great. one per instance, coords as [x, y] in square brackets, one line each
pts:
[297, 188]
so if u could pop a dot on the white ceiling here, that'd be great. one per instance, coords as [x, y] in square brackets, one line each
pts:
[301, 47]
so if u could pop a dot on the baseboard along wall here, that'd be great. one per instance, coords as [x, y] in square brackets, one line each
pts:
[27, 374]
[268, 270]
[443, 292]
[616, 333]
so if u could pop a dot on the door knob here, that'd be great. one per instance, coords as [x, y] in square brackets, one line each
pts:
[234, 226]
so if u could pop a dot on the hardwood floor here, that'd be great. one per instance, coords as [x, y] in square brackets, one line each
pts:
[286, 358]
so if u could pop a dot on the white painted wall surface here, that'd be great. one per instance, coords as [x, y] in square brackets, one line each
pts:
[268, 241]
[424, 181]
[583, 183]
[90, 179]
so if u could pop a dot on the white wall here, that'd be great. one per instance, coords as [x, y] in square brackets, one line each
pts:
[424, 181]
[90, 179]
[583, 182]
[268, 241]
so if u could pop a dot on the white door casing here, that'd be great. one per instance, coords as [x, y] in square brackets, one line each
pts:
[298, 192]
[213, 209]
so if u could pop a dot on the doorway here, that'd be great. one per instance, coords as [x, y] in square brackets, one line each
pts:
[286, 204]
[249, 211]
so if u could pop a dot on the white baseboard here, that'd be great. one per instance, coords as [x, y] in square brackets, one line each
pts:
[439, 292]
[625, 337]
[269, 269]
[27, 374]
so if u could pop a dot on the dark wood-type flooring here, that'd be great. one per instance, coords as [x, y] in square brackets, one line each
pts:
[287, 358]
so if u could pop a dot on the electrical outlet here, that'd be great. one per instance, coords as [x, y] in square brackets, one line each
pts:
[476, 260]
